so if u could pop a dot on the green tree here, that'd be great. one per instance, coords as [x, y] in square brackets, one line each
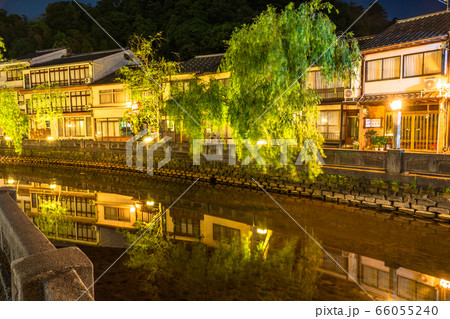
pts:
[48, 103]
[145, 82]
[13, 121]
[268, 98]
[231, 271]
[53, 217]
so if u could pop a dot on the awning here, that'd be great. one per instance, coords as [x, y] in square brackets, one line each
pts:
[413, 96]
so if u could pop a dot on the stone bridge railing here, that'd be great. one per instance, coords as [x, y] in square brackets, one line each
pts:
[37, 270]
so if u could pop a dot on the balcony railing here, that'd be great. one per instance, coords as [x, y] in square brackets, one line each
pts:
[331, 94]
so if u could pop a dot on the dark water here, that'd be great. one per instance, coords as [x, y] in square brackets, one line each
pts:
[393, 257]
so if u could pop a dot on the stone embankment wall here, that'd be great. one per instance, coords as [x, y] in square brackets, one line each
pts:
[34, 269]
[413, 199]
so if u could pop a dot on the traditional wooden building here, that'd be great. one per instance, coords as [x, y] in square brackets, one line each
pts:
[408, 64]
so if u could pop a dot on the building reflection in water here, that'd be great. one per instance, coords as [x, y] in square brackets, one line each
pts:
[97, 216]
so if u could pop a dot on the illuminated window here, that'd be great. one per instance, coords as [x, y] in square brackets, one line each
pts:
[119, 214]
[112, 96]
[59, 76]
[187, 226]
[383, 69]
[78, 74]
[39, 77]
[328, 125]
[426, 63]
[13, 75]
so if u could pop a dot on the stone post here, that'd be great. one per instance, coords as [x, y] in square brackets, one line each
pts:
[394, 161]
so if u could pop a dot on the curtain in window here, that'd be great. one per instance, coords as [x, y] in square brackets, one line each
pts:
[391, 68]
[374, 69]
[432, 62]
[413, 65]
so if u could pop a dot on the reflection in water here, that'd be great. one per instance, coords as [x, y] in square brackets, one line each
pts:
[391, 259]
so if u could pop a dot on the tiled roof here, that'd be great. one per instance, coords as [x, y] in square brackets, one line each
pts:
[37, 54]
[399, 96]
[202, 64]
[76, 58]
[412, 29]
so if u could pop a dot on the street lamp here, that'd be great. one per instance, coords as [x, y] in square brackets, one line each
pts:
[397, 122]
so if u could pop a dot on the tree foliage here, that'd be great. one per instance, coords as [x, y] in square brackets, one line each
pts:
[231, 271]
[13, 122]
[48, 103]
[53, 217]
[144, 82]
[268, 98]
[190, 27]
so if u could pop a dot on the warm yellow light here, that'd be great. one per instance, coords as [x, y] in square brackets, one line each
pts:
[138, 206]
[132, 209]
[53, 186]
[7, 138]
[261, 142]
[445, 283]
[150, 203]
[439, 85]
[396, 105]
[10, 181]
[134, 107]
[261, 231]
[147, 139]
[50, 138]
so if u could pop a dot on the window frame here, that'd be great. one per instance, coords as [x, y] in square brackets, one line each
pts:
[382, 68]
[423, 64]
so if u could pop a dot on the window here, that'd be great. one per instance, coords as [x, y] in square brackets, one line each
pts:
[85, 207]
[225, 233]
[59, 76]
[75, 127]
[27, 206]
[13, 75]
[383, 69]
[86, 232]
[332, 263]
[426, 63]
[375, 277]
[78, 74]
[79, 101]
[111, 128]
[119, 214]
[39, 77]
[187, 226]
[328, 125]
[316, 81]
[112, 96]
[413, 290]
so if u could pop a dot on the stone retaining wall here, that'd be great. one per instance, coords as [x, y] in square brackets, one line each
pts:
[409, 199]
[39, 271]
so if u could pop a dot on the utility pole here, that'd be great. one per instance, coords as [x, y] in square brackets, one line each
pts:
[446, 2]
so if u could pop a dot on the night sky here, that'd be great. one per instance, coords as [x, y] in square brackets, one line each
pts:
[395, 8]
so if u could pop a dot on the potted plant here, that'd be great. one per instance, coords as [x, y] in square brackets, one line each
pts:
[370, 135]
[379, 142]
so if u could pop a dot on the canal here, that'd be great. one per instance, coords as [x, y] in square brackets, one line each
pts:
[393, 257]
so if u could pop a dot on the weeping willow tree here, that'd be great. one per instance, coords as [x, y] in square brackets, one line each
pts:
[144, 82]
[53, 218]
[48, 103]
[13, 121]
[268, 98]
